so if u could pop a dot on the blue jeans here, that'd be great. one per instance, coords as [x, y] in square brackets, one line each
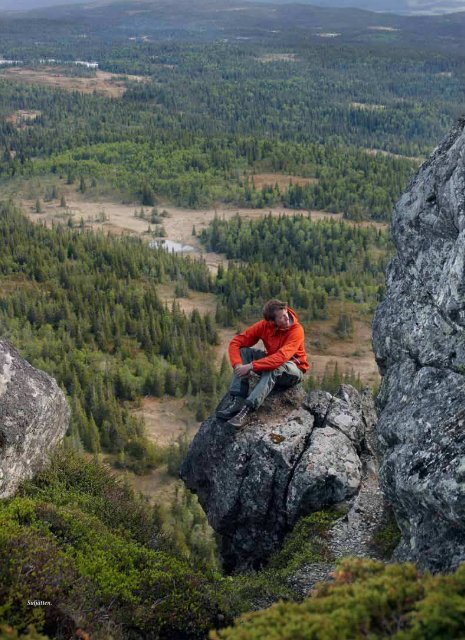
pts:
[284, 377]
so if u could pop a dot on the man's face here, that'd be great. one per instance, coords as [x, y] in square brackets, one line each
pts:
[282, 319]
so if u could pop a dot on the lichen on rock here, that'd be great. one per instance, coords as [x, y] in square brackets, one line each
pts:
[419, 344]
[34, 416]
[297, 454]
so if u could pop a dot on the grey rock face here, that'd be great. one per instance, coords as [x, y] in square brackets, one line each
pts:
[328, 472]
[296, 455]
[34, 416]
[419, 343]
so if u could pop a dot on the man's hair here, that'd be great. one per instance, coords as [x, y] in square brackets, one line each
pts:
[270, 308]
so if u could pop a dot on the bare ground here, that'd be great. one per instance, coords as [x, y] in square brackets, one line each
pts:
[21, 117]
[356, 354]
[279, 57]
[283, 181]
[204, 303]
[110, 84]
[364, 106]
[166, 419]
[158, 485]
[374, 152]
[179, 225]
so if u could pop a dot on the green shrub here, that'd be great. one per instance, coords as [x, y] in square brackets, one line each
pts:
[366, 600]
[78, 538]
[306, 543]
[8, 632]
[71, 478]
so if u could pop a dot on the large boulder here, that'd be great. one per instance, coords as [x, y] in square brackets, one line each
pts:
[34, 416]
[419, 343]
[296, 455]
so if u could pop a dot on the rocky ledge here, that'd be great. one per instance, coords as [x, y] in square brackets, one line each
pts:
[419, 343]
[296, 455]
[34, 416]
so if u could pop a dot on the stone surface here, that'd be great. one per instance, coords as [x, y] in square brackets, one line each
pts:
[328, 472]
[419, 344]
[288, 461]
[352, 534]
[34, 417]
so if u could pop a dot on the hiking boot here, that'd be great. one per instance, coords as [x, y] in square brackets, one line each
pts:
[241, 418]
[234, 406]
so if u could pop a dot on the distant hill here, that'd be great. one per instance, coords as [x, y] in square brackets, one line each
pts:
[406, 7]
[257, 22]
[27, 5]
[252, 22]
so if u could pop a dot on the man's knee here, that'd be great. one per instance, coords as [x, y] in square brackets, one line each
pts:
[289, 375]
[248, 354]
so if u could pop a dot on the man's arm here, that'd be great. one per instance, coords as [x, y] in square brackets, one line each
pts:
[295, 339]
[247, 338]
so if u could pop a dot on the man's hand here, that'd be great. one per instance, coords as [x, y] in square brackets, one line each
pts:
[242, 370]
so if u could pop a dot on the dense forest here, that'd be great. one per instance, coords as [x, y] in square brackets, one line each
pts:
[201, 119]
[298, 260]
[147, 155]
[84, 307]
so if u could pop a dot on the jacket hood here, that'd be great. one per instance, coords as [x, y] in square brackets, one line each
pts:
[295, 320]
[293, 314]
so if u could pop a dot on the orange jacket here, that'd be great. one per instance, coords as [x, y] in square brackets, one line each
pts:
[281, 344]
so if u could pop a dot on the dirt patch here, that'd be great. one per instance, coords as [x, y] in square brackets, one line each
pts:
[354, 353]
[21, 117]
[10, 284]
[159, 487]
[379, 28]
[279, 57]
[120, 219]
[375, 152]
[109, 216]
[364, 106]
[283, 181]
[110, 84]
[204, 303]
[166, 419]
[324, 215]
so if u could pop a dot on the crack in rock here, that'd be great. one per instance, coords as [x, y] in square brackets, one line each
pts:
[254, 487]
[419, 344]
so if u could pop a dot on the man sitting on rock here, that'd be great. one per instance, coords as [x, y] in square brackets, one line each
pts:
[282, 364]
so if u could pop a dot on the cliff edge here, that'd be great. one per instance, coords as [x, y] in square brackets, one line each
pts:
[296, 455]
[419, 344]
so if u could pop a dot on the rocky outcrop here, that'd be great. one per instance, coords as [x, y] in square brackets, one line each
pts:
[34, 417]
[297, 454]
[419, 343]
